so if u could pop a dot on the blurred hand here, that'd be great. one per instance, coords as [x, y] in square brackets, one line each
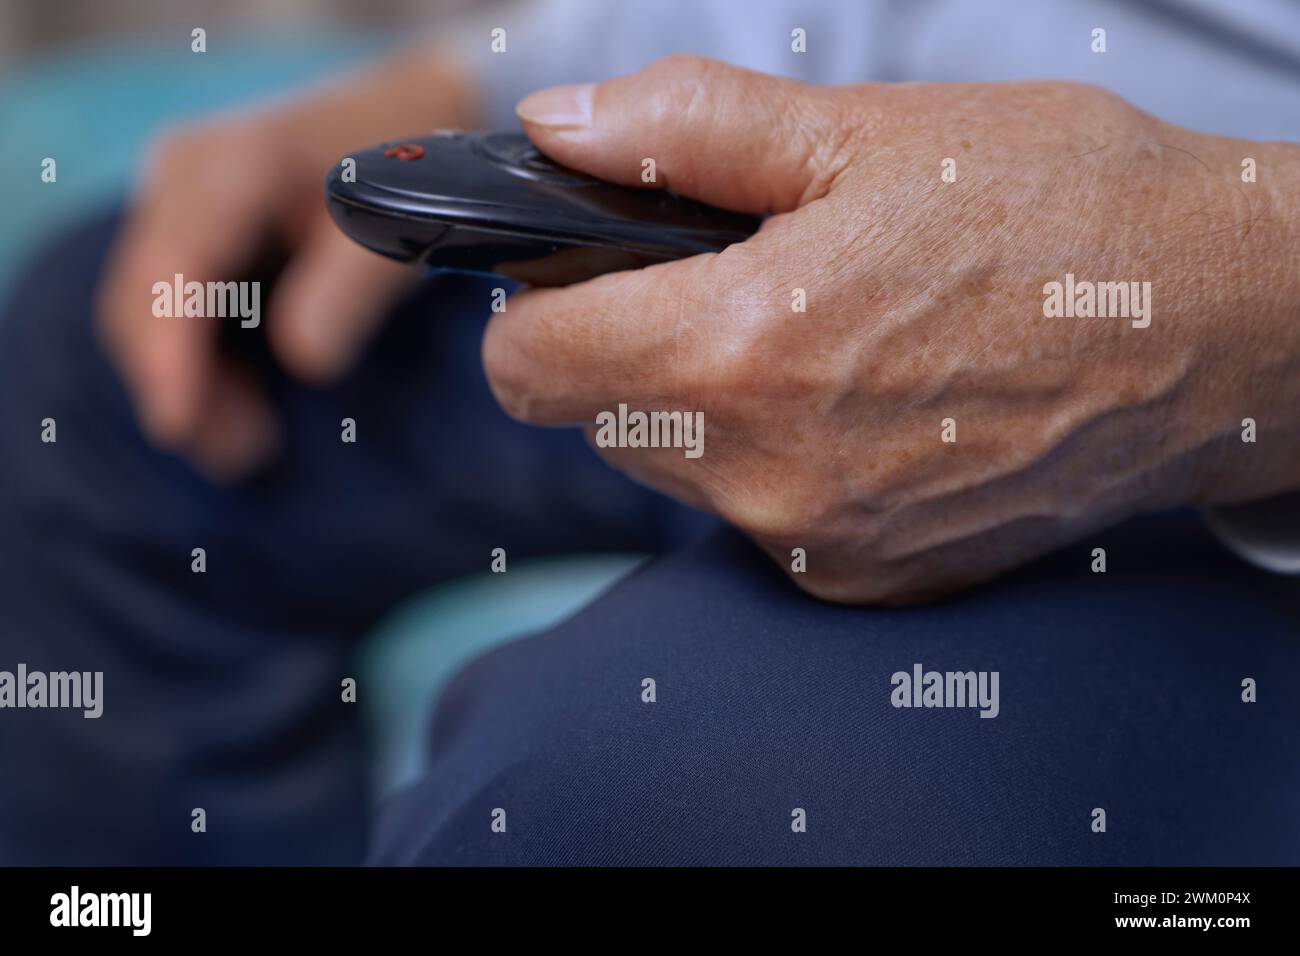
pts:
[219, 194]
[925, 317]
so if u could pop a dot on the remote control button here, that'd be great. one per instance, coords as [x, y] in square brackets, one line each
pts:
[405, 152]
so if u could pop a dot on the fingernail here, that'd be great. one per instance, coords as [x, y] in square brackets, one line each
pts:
[559, 107]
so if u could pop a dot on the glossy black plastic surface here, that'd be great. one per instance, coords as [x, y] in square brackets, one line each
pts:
[490, 202]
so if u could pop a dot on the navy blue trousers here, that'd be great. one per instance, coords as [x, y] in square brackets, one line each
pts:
[1119, 691]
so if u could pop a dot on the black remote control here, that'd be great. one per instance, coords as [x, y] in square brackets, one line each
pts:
[490, 202]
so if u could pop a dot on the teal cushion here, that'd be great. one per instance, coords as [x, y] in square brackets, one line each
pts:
[94, 110]
[410, 657]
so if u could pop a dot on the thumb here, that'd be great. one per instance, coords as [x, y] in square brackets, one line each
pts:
[731, 137]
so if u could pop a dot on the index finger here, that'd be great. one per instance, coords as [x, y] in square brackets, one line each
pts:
[560, 356]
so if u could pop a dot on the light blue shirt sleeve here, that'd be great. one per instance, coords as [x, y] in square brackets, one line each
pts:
[576, 41]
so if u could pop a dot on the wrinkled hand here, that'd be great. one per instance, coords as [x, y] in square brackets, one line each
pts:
[214, 198]
[925, 423]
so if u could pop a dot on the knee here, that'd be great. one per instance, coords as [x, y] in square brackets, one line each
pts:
[769, 732]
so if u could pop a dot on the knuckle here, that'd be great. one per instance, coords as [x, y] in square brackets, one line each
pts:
[683, 66]
[223, 153]
[878, 583]
[781, 516]
[1094, 103]
[749, 363]
[1084, 90]
[680, 84]
[736, 356]
[834, 589]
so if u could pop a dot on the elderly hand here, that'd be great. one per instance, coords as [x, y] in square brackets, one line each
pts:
[923, 370]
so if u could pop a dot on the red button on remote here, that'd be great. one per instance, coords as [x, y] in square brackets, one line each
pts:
[405, 151]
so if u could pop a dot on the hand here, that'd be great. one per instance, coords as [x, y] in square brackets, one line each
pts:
[926, 317]
[213, 198]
